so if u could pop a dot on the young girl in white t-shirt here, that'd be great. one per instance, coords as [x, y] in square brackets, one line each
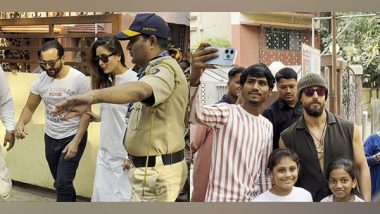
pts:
[341, 175]
[283, 167]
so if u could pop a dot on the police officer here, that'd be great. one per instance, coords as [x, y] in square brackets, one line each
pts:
[154, 139]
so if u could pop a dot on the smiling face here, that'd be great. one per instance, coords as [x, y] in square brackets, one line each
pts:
[255, 90]
[113, 60]
[341, 184]
[284, 176]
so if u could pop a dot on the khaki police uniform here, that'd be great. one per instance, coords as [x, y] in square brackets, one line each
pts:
[158, 129]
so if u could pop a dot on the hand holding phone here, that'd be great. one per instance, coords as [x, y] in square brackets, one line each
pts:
[227, 57]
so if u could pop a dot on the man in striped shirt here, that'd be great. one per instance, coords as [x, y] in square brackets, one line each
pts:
[242, 138]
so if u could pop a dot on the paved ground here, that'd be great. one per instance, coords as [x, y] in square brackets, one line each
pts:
[27, 193]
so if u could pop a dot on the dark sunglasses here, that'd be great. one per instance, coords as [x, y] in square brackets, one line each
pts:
[310, 91]
[103, 57]
[52, 63]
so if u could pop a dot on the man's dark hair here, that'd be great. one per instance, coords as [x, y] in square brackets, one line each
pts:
[286, 73]
[163, 43]
[279, 154]
[52, 44]
[234, 71]
[258, 70]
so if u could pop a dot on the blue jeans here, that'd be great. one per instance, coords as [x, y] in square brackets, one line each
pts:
[63, 171]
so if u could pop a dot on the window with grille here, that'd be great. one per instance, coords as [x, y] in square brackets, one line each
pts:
[283, 39]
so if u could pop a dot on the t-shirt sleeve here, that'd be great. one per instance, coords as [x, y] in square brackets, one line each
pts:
[83, 84]
[309, 197]
[34, 89]
[213, 116]
[162, 81]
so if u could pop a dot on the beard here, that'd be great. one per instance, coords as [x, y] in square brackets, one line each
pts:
[56, 71]
[314, 112]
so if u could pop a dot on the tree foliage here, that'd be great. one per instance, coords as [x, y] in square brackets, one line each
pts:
[359, 44]
[218, 42]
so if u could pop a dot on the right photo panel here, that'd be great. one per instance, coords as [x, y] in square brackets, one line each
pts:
[284, 106]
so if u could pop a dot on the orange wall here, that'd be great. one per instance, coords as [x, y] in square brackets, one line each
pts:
[245, 38]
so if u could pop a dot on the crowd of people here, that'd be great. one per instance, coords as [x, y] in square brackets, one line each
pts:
[292, 150]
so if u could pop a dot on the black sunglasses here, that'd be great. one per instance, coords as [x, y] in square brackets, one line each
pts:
[50, 63]
[310, 91]
[103, 57]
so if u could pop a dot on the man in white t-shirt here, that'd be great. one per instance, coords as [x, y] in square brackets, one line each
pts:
[65, 140]
[7, 115]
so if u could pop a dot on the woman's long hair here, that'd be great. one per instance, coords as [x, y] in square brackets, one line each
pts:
[98, 78]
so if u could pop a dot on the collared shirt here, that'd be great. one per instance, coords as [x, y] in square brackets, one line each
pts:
[281, 115]
[337, 144]
[159, 132]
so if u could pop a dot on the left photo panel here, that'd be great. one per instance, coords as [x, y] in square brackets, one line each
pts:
[94, 106]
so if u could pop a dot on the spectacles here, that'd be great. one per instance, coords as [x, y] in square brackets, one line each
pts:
[103, 57]
[310, 91]
[50, 63]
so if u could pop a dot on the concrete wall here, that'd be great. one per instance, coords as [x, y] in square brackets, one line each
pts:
[26, 161]
[209, 25]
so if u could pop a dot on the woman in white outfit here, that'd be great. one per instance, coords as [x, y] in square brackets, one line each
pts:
[111, 177]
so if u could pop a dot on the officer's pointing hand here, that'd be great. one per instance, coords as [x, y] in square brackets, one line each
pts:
[74, 105]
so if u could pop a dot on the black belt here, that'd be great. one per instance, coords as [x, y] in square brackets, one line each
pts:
[167, 159]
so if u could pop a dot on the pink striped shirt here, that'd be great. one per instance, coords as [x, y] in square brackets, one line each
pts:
[241, 147]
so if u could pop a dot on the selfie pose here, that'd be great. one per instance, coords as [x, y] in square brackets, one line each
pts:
[239, 158]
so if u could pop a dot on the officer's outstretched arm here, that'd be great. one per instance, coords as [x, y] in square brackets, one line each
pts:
[125, 93]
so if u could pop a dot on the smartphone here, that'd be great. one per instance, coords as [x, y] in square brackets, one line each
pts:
[227, 57]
